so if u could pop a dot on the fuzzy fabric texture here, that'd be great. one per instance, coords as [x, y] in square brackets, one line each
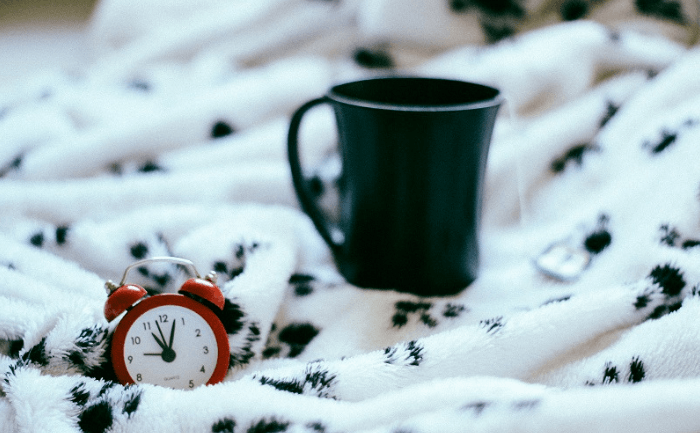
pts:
[172, 142]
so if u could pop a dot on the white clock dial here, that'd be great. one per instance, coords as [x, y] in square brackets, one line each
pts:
[170, 346]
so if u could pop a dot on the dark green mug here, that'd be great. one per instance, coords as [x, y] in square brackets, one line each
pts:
[413, 154]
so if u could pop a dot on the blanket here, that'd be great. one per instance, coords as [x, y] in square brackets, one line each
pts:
[171, 141]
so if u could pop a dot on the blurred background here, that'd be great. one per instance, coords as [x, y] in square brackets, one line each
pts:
[40, 33]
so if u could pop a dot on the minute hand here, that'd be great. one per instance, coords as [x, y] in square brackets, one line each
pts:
[172, 335]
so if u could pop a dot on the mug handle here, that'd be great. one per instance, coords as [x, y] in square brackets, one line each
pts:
[330, 233]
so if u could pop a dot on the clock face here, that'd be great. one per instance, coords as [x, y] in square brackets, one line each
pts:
[170, 345]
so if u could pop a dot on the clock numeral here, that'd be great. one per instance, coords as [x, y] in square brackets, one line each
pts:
[135, 340]
[130, 358]
[183, 321]
[191, 384]
[202, 369]
[197, 333]
[147, 326]
[163, 318]
[206, 351]
[139, 378]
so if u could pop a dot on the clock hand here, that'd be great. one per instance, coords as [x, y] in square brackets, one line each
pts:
[172, 334]
[168, 354]
[160, 343]
[161, 335]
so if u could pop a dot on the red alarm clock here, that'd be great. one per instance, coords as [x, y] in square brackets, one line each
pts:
[172, 340]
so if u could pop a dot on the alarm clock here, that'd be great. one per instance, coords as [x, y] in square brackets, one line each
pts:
[174, 340]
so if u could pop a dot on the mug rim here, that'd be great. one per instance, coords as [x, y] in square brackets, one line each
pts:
[497, 99]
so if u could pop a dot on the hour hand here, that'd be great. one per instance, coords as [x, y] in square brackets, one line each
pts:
[168, 354]
[160, 343]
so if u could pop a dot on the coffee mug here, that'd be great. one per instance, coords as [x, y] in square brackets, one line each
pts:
[413, 153]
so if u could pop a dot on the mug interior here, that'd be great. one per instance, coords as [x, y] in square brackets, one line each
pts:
[415, 92]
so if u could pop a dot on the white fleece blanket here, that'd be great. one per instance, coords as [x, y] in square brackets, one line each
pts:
[172, 140]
